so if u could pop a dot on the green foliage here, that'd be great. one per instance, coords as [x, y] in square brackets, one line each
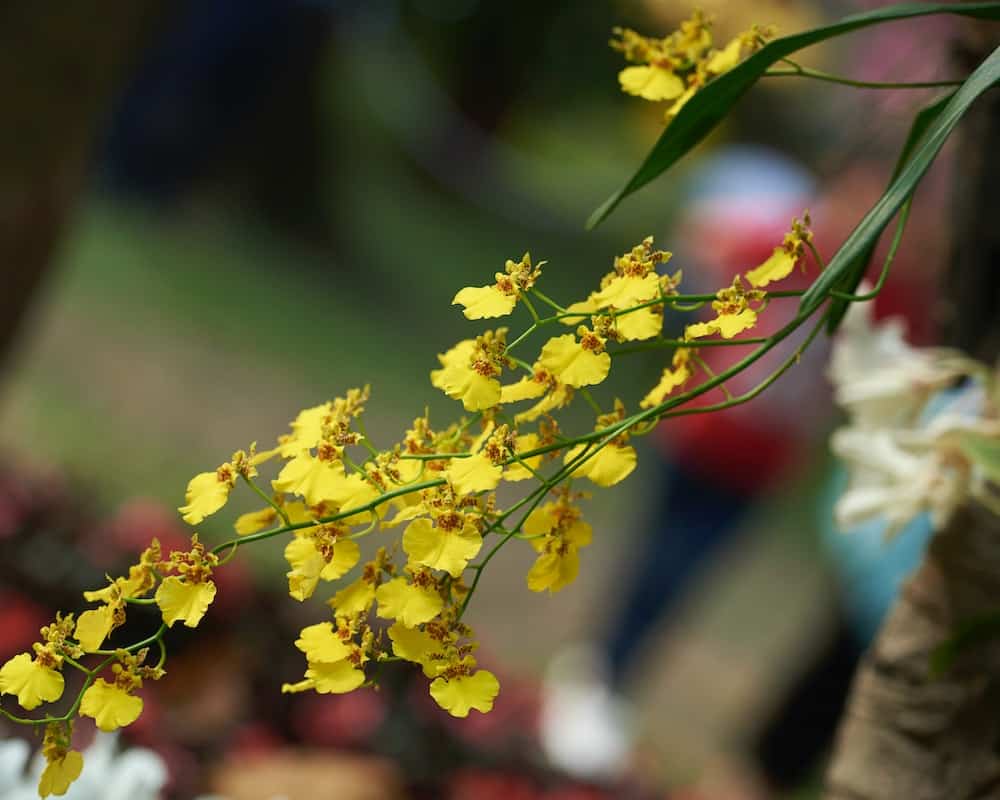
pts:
[857, 270]
[868, 230]
[984, 452]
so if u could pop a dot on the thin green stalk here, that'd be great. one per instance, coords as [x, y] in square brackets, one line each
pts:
[586, 395]
[904, 214]
[547, 300]
[267, 499]
[531, 329]
[529, 305]
[800, 71]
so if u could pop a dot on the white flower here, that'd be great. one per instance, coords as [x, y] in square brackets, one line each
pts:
[891, 482]
[880, 379]
[903, 445]
[134, 774]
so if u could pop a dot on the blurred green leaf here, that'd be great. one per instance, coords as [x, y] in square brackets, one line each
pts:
[984, 452]
[868, 230]
[712, 103]
[854, 274]
[982, 629]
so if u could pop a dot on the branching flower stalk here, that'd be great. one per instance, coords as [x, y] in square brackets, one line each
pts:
[335, 486]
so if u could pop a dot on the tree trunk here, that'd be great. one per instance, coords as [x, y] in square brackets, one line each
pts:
[908, 733]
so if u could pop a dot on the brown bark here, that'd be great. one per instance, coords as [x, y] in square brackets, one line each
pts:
[59, 66]
[909, 733]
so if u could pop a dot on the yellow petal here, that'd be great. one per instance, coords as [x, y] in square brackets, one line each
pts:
[411, 605]
[679, 103]
[32, 682]
[517, 471]
[477, 392]
[336, 678]
[416, 646]
[626, 291]
[482, 302]
[525, 389]
[579, 533]
[314, 479]
[307, 430]
[477, 444]
[779, 265]
[254, 521]
[573, 365]
[540, 521]
[346, 554]
[320, 643]
[205, 495]
[554, 571]
[102, 595]
[297, 512]
[350, 492]
[643, 324]
[584, 309]
[557, 398]
[306, 563]
[651, 83]
[59, 774]
[725, 59]
[458, 356]
[459, 695]
[179, 600]
[433, 547]
[474, 474]
[610, 465]
[726, 325]
[406, 514]
[353, 599]
[669, 380]
[264, 456]
[93, 627]
[110, 706]
[731, 324]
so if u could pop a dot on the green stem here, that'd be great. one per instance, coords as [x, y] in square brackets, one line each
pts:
[897, 238]
[531, 329]
[74, 663]
[798, 70]
[269, 500]
[529, 305]
[163, 653]
[586, 395]
[660, 344]
[548, 301]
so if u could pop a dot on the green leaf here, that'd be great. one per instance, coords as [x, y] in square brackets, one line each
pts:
[980, 630]
[712, 103]
[984, 452]
[857, 270]
[986, 75]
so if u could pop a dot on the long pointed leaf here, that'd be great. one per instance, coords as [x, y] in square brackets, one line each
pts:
[711, 104]
[853, 276]
[985, 76]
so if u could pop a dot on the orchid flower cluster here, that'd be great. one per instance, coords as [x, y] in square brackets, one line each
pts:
[675, 67]
[331, 487]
